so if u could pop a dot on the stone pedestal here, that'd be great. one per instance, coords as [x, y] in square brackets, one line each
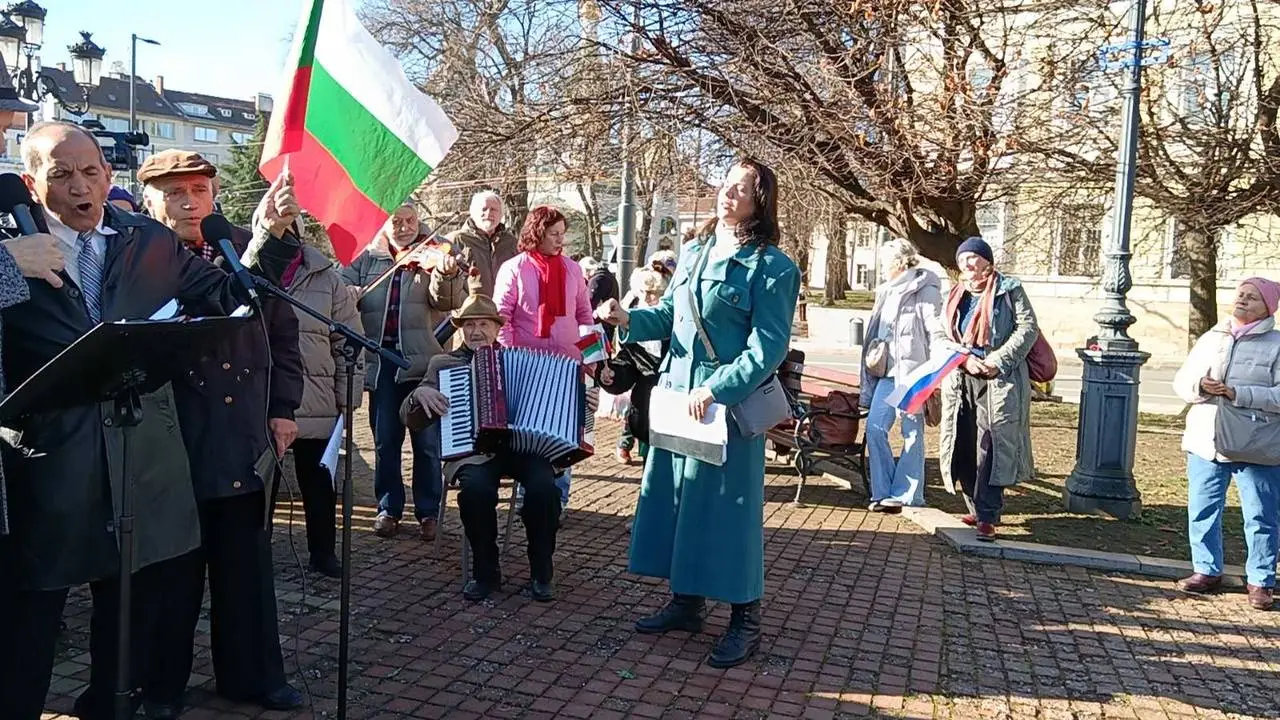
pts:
[1102, 481]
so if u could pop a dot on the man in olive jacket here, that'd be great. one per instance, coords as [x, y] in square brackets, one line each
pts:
[484, 243]
[65, 468]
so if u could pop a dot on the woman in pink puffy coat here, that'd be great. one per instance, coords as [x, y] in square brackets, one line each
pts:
[542, 296]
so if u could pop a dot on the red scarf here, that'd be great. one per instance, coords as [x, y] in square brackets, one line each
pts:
[550, 290]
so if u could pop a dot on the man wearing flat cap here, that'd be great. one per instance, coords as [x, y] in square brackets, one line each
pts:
[66, 467]
[235, 409]
[478, 475]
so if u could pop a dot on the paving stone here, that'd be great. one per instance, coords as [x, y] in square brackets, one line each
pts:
[865, 616]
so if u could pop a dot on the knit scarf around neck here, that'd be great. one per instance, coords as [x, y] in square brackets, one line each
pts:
[550, 290]
[978, 334]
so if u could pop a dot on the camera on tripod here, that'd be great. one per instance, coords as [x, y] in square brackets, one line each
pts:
[120, 152]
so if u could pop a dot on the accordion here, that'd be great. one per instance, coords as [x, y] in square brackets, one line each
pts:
[518, 400]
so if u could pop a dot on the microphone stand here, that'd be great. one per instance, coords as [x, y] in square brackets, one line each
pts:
[354, 343]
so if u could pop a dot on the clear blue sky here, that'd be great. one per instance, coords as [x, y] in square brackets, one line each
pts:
[231, 48]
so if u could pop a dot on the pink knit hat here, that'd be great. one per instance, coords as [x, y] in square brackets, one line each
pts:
[1268, 289]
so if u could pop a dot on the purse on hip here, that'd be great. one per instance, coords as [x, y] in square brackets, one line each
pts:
[767, 405]
[876, 361]
[1247, 435]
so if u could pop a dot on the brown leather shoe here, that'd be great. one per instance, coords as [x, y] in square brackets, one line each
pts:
[1259, 597]
[1200, 583]
[427, 530]
[385, 526]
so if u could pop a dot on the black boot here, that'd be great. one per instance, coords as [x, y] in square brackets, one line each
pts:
[684, 612]
[741, 640]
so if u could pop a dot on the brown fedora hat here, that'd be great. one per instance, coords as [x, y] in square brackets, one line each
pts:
[477, 307]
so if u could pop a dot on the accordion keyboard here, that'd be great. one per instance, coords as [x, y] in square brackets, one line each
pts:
[458, 426]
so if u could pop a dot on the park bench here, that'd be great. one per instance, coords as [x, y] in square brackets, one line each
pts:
[802, 439]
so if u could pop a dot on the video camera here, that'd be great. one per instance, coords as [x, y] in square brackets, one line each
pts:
[120, 152]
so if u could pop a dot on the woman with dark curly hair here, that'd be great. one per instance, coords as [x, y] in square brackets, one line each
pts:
[542, 296]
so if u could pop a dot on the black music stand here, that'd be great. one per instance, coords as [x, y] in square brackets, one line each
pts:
[354, 342]
[119, 362]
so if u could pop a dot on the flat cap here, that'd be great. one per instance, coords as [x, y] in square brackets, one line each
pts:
[175, 162]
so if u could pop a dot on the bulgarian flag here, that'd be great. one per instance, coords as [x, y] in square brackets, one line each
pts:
[357, 136]
[594, 343]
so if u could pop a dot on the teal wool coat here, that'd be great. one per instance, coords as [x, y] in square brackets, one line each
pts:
[699, 525]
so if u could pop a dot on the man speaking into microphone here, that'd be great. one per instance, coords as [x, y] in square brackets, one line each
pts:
[65, 468]
[235, 408]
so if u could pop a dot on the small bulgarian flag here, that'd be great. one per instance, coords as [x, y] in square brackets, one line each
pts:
[357, 136]
[594, 343]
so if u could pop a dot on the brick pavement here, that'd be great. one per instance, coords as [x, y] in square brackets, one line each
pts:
[865, 617]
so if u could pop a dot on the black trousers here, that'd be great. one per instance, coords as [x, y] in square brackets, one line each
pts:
[243, 624]
[319, 501]
[29, 627]
[478, 504]
[971, 458]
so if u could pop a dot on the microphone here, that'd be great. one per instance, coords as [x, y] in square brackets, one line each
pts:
[217, 230]
[16, 200]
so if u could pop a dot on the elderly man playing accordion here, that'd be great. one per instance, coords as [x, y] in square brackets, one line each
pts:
[479, 474]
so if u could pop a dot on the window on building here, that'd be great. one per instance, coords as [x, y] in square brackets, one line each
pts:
[1078, 240]
[194, 109]
[211, 157]
[248, 116]
[115, 124]
[863, 233]
[1205, 94]
[204, 134]
[862, 275]
[163, 130]
[224, 112]
[241, 138]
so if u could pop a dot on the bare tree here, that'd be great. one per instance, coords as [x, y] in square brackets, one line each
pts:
[905, 111]
[1208, 150]
[499, 69]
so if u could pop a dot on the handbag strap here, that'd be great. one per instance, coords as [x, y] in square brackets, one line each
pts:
[695, 278]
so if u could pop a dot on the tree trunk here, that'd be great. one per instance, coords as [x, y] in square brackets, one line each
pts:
[837, 274]
[591, 209]
[1200, 247]
[516, 197]
[642, 232]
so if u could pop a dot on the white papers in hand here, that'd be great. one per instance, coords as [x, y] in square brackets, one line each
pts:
[672, 428]
[169, 311]
[242, 311]
[329, 461]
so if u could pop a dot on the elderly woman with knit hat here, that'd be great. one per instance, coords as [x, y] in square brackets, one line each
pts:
[984, 440]
[1231, 379]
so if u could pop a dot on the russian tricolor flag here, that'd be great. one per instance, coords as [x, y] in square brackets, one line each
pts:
[912, 391]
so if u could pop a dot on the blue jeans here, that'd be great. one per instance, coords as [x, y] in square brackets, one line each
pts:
[388, 440]
[1259, 488]
[903, 480]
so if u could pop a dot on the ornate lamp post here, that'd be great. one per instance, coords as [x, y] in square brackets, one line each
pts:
[1102, 480]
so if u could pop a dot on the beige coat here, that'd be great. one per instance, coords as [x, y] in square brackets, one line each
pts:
[318, 285]
[1248, 365]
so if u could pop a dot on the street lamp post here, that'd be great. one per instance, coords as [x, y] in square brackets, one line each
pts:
[1102, 480]
[133, 99]
[626, 205]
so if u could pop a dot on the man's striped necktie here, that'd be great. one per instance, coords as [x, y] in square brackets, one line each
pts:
[90, 267]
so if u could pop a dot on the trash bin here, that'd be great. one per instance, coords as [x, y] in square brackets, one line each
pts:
[857, 330]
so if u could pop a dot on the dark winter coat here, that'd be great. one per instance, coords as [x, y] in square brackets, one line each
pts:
[66, 468]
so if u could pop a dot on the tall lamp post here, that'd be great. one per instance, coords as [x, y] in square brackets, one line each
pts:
[626, 205]
[133, 99]
[1102, 480]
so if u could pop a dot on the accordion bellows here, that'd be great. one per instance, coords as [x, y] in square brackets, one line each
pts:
[518, 400]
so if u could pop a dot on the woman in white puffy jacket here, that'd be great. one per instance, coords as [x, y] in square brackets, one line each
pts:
[1232, 381]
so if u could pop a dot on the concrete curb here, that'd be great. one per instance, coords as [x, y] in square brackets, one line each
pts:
[961, 538]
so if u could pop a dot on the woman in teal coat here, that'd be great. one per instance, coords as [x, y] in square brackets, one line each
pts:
[699, 525]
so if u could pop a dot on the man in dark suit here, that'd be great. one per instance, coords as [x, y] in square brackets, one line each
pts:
[66, 468]
[236, 408]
